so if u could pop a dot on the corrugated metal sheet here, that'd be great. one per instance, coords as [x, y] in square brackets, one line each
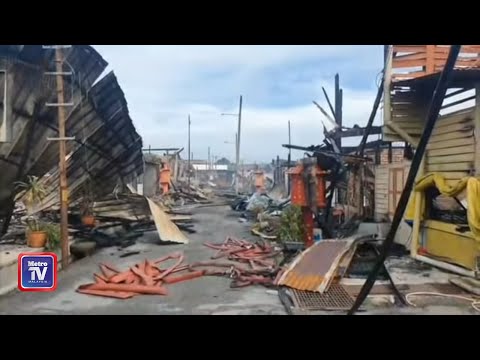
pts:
[113, 149]
[315, 268]
[113, 155]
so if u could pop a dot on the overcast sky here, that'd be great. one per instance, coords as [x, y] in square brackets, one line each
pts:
[163, 84]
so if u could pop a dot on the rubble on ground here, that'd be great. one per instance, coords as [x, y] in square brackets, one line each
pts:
[243, 262]
[123, 218]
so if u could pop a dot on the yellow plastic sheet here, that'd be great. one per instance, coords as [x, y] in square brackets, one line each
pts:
[472, 186]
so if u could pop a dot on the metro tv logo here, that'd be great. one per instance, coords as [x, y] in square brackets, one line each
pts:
[37, 272]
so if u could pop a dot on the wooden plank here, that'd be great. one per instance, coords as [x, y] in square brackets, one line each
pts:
[402, 74]
[430, 56]
[403, 105]
[466, 49]
[462, 127]
[460, 113]
[167, 230]
[451, 136]
[451, 143]
[475, 49]
[449, 120]
[408, 48]
[410, 97]
[412, 56]
[462, 117]
[400, 64]
[450, 159]
[418, 121]
[405, 136]
[466, 149]
[409, 124]
[469, 62]
[412, 75]
[457, 102]
[456, 92]
[392, 138]
[388, 131]
[412, 131]
[465, 166]
[413, 116]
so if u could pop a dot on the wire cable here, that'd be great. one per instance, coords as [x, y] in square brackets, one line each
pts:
[474, 302]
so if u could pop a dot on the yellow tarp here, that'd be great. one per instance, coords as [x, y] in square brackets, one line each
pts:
[470, 184]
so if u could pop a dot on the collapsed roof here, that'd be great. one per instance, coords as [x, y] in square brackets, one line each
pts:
[107, 150]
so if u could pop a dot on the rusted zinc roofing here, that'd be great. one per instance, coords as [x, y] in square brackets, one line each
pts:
[113, 149]
[314, 269]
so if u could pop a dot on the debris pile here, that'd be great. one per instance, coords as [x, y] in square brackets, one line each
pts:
[122, 218]
[184, 194]
[145, 278]
[246, 263]
[252, 206]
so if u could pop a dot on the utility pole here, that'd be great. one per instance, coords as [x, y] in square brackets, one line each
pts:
[239, 132]
[62, 155]
[289, 155]
[62, 139]
[189, 152]
[209, 163]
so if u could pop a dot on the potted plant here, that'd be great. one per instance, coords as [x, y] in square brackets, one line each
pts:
[53, 236]
[86, 209]
[33, 193]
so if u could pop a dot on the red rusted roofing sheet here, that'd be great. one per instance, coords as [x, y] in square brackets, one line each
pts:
[314, 268]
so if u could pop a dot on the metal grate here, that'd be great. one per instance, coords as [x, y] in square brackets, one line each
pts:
[336, 298]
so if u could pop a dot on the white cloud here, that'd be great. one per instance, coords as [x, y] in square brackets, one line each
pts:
[163, 84]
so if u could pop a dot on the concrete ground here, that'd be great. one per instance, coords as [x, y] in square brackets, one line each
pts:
[209, 295]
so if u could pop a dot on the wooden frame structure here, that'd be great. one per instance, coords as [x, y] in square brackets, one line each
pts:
[411, 75]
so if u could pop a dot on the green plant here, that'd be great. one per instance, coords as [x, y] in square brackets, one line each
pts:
[35, 225]
[53, 236]
[291, 225]
[34, 192]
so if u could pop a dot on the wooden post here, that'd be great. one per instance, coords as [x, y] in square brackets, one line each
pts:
[62, 161]
[430, 59]
[387, 83]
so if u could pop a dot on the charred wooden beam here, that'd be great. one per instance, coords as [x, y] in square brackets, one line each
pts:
[329, 103]
[358, 131]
